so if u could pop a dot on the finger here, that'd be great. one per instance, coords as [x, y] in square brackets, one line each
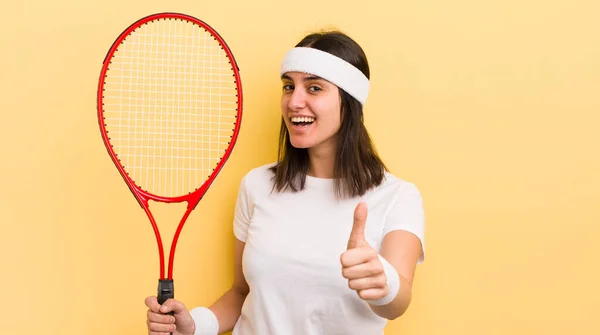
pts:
[372, 294]
[160, 328]
[357, 235]
[160, 318]
[358, 256]
[367, 283]
[363, 270]
[152, 304]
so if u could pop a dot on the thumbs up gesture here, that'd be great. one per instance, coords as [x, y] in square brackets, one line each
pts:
[360, 262]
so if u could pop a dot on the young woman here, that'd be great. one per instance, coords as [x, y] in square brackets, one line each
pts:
[327, 240]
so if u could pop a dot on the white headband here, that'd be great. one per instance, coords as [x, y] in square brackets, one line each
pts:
[329, 67]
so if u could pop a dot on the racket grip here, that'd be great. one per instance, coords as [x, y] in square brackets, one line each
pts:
[166, 291]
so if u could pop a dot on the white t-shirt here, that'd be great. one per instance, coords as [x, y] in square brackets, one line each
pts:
[292, 256]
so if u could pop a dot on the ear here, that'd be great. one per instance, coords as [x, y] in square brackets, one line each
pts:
[343, 107]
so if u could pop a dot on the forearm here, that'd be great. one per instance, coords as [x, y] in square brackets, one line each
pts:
[228, 309]
[399, 305]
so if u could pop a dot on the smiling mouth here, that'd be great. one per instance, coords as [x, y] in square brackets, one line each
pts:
[302, 121]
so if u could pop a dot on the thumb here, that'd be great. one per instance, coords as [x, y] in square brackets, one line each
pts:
[357, 235]
[172, 305]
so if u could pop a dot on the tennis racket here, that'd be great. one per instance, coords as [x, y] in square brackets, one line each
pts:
[169, 109]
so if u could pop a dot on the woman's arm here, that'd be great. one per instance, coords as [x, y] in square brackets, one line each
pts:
[228, 308]
[402, 250]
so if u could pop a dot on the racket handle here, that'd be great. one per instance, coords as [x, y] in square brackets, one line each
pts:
[166, 291]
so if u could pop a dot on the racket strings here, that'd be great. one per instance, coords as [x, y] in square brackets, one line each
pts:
[169, 104]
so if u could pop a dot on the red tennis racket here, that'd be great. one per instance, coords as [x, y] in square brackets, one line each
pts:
[169, 110]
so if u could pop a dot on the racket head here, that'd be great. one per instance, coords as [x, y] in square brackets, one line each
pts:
[169, 106]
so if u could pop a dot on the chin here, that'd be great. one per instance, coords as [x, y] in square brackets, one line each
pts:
[300, 144]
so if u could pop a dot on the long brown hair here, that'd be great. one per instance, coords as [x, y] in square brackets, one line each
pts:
[357, 166]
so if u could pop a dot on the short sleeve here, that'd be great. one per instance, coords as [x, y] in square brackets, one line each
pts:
[407, 214]
[243, 212]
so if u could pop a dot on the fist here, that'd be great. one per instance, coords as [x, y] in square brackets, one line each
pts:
[159, 322]
[360, 262]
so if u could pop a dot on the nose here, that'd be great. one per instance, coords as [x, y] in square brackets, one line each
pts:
[297, 100]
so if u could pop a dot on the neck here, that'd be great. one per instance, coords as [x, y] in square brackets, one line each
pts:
[321, 163]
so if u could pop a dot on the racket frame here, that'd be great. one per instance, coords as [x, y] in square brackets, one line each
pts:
[142, 196]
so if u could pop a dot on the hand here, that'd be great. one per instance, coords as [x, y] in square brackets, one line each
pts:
[159, 322]
[360, 262]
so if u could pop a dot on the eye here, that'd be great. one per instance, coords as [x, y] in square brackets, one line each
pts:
[288, 87]
[314, 88]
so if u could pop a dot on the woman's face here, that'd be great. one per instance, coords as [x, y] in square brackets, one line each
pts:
[311, 109]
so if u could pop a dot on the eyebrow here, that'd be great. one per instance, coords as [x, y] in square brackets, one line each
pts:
[285, 76]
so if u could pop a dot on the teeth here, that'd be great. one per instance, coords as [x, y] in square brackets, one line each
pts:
[303, 119]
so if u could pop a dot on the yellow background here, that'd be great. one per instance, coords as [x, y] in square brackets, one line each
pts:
[491, 107]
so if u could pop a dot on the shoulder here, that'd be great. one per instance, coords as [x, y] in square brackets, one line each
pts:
[397, 187]
[393, 191]
[258, 176]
